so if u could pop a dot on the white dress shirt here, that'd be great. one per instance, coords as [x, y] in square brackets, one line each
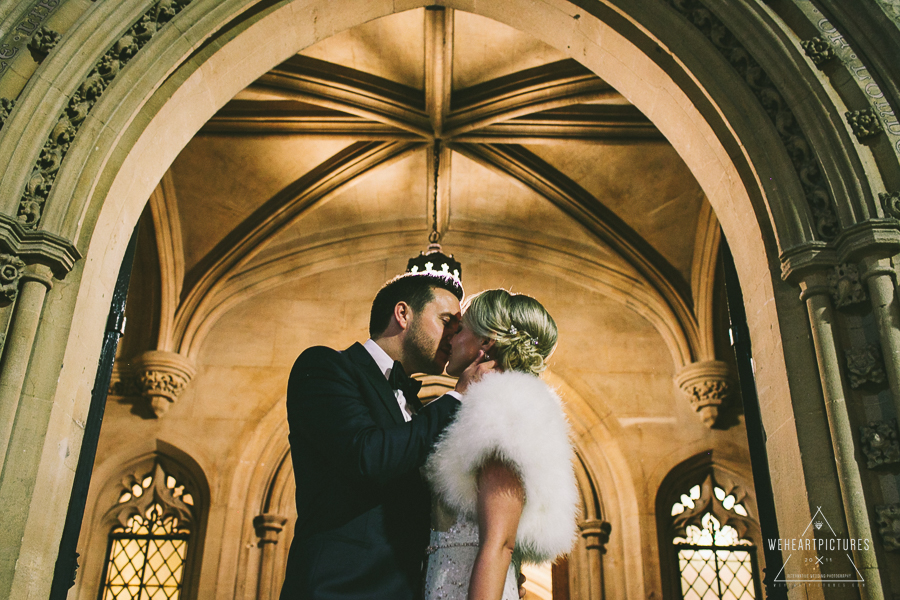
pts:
[386, 364]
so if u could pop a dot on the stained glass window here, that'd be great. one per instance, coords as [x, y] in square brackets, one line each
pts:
[714, 560]
[148, 548]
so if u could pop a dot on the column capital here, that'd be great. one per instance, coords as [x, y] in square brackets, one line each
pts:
[268, 526]
[36, 246]
[595, 533]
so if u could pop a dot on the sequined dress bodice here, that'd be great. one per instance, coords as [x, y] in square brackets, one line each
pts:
[451, 556]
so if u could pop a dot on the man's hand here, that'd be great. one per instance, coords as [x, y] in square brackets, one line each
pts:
[474, 372]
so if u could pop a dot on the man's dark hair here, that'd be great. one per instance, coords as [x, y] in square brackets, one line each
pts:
[416, 289]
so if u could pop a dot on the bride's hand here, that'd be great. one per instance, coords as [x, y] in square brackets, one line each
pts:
[475, 371]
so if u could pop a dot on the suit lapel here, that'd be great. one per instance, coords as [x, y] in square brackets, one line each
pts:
[361, 357]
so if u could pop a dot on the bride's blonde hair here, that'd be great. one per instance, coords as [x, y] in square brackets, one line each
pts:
[523, 331]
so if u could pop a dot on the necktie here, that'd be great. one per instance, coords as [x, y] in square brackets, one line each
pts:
[399, 380]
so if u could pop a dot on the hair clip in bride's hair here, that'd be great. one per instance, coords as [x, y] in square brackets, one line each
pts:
[513, 330]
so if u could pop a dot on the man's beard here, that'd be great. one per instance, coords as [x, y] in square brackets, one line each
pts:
[420, 351]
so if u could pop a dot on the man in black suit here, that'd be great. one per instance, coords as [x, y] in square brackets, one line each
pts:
[358, 437]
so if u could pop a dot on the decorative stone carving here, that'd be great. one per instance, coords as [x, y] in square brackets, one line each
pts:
[846, 288]
[712, 495]
[818, 50]
[142, 491]
[890, 202]
[706, 384]
[42, 42]
[43, 174]
[798, 148]
[879, 443]
[11, 270]
[595, 533]
[864, 123]
[6, 106]
[887, 518]
[163, 376]
[864, 365]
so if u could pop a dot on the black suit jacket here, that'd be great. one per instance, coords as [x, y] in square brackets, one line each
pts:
[362, 506]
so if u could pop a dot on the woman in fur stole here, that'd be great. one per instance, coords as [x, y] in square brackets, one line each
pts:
[503, 487]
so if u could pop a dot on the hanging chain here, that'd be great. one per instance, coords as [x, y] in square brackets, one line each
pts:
[435, 237]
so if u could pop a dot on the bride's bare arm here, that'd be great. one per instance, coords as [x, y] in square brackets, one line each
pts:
[500, 501]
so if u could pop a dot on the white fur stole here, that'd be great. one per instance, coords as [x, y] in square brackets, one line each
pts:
[519, 419]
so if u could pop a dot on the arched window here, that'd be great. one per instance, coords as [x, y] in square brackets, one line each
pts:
[148, 546]
[708, 537]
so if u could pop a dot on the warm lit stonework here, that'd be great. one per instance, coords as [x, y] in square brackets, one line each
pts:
[278, 161]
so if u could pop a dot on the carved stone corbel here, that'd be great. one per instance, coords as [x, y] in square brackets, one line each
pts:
[864, 123]
[888, 521]
[163, 376]
[879, 443]
[864, 365]
[706, 384]
[6, 106]
[11, 270]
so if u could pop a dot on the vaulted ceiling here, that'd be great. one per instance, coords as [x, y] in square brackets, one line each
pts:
[327, 160]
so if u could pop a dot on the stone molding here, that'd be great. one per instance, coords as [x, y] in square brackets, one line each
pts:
[62, 136]
[846, 287]
[11, 270]
[879, 443]
[818, 50]
[706, 385]
[595, 533]
[162, 376]
[887, 518]
[797, 146]
[864, 123]
[41, 247]
[268, 526]
[865, 366]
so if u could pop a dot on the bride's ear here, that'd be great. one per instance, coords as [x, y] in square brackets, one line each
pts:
[487, 344]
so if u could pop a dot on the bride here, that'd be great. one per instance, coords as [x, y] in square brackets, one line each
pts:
[503, 489]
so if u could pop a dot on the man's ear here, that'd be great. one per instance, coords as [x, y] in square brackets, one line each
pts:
[402, 314]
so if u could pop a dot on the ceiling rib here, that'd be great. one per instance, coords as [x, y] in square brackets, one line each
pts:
[246, 240]
[526, 167]
[438, 65]
[332, 86]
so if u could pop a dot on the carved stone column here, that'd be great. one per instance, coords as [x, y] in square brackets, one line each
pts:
[816, 292]
[878, 274]
[706, 384]
[596, 535]
[163, 376]
[268, 527]
[33, 284]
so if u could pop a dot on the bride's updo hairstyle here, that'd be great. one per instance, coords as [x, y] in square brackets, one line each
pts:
[523, 331]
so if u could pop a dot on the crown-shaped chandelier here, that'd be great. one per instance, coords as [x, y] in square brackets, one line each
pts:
[433, 258]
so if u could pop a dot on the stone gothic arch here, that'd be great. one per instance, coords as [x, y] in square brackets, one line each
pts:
[799, 164]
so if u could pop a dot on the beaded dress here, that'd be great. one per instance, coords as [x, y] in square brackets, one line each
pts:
[518, 419]
[451, 555]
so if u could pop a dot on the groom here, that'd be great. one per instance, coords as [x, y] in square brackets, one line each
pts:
[358, 436]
